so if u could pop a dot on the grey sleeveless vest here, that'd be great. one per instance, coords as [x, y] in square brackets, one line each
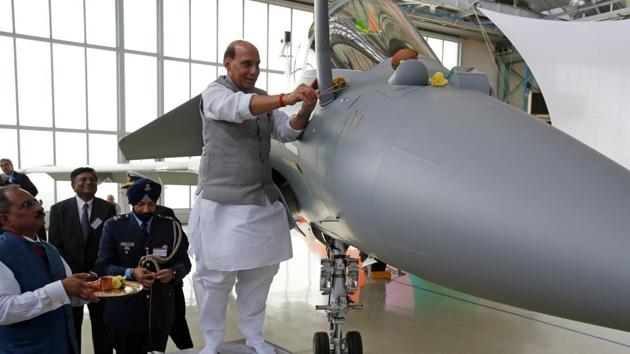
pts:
[235, 166]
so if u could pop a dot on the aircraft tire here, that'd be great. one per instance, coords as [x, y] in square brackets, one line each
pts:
[321, 343]
[354, 343]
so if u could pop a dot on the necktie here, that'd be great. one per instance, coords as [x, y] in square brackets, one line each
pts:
[85, 219]
[145, 229]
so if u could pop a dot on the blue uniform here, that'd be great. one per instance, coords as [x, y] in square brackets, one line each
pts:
[122, 245]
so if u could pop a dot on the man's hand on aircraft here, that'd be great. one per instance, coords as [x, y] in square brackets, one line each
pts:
[260, 104]
[307, 108]
[302, 93]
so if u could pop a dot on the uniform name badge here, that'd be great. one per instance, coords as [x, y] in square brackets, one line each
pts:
[160, 251]
[127, 245]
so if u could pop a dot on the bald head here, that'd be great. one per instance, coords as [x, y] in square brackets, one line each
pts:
[230, 51]
[242, 62]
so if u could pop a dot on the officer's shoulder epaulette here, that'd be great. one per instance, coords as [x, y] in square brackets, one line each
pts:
[120, 217]
[165, 217]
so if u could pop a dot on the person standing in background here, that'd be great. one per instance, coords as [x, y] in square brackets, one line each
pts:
[76, 225]
[112, 200]
[180, 333]
[152, 250]
[14, 177]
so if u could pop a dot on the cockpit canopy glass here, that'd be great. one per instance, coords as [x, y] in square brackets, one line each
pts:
[363, 33]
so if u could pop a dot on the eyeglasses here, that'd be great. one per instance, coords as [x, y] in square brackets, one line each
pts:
[27, 204]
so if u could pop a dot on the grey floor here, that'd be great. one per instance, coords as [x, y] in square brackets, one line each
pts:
[405, 315]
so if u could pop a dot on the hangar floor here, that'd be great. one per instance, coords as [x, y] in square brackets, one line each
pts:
[405, 315]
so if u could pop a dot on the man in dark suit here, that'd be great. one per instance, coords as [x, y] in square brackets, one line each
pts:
[149, 249]
[75, 229]
[14, 177]
[180, 334]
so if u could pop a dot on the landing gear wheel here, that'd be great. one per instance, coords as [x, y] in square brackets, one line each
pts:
[321, 343]
[353, 342]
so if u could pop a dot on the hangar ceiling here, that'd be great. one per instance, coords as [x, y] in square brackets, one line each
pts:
[459, 18]
[568, 10]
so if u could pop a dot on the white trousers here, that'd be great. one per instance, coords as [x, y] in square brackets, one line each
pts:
[212, 290]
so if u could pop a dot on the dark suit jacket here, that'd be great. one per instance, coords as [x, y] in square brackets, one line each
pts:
[24, 182]
[122, 246]
[65, 232]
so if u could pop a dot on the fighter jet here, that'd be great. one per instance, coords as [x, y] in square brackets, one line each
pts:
[445, 182]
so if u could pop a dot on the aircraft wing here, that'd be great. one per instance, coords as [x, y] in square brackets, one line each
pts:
[166, 172]
[176, 133]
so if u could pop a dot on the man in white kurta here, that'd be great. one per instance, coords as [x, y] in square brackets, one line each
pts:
[238, 229]
[36, 286]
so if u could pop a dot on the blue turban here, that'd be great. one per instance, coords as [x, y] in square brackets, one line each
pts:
[143, 187]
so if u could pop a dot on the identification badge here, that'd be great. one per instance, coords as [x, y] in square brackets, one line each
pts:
[96, 223]
[161, 251]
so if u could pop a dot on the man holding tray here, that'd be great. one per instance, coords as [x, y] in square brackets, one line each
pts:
[35, 282]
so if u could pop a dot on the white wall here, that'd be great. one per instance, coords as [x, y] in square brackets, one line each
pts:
[475, 53]
[582, 69]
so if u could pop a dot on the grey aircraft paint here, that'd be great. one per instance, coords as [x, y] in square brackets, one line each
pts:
[452, 185]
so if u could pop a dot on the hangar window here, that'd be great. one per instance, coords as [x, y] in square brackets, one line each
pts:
[94, 84]
[447, 50]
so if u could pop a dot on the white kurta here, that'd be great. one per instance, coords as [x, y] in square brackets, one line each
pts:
[235, 237]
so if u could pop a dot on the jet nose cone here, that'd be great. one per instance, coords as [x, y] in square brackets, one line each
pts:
[481, 197]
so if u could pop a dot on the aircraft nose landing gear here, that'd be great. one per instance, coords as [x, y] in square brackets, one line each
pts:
[338, 279]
